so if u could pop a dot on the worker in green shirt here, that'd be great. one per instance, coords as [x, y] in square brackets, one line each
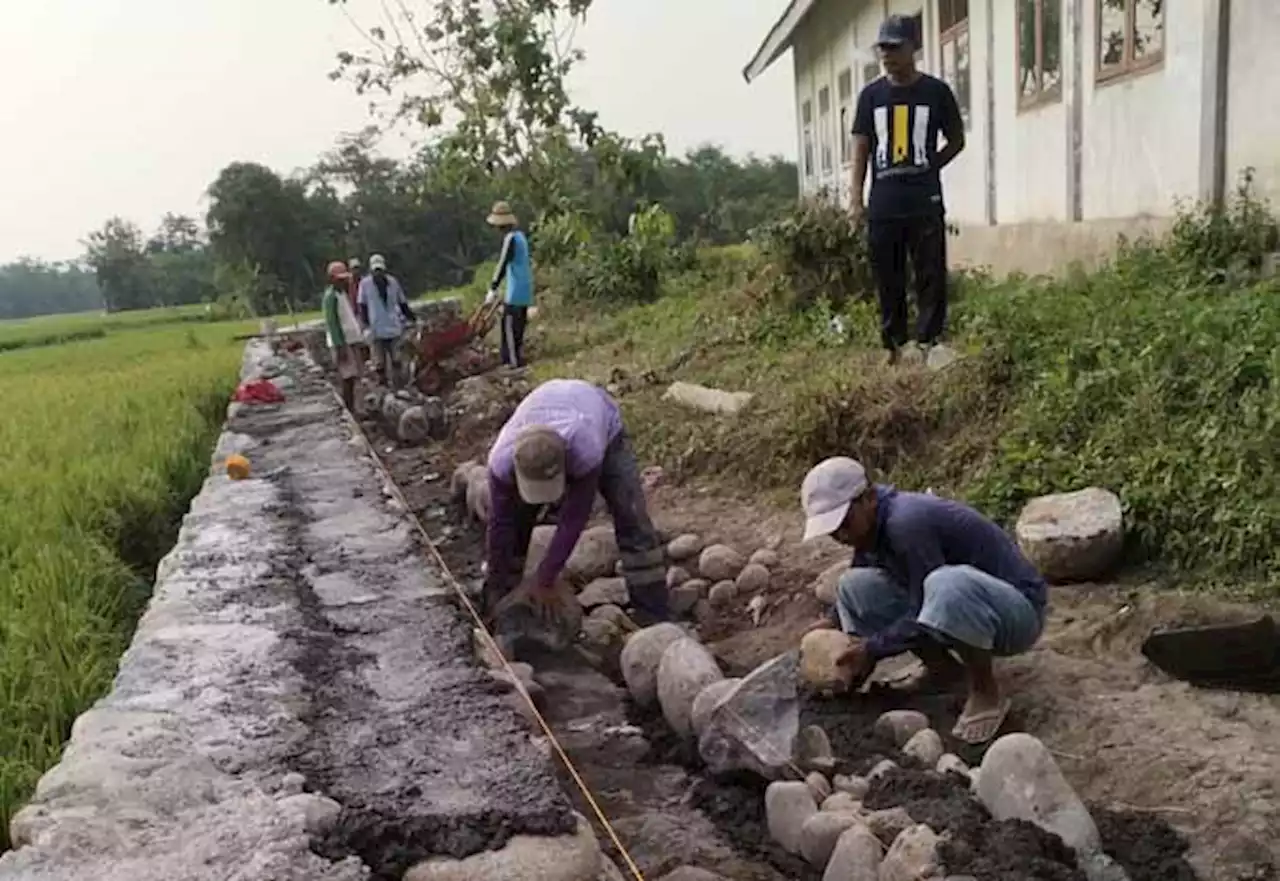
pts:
[342, 330]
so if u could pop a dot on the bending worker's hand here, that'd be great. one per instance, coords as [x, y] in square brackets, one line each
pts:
[548, 603]
[491, 296]
[857, 660]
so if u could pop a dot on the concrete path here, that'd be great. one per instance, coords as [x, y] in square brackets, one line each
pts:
[298, 701]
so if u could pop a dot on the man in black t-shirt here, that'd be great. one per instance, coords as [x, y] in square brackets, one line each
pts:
[895, 130]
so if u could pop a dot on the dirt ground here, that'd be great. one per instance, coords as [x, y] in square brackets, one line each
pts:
[1149, 754]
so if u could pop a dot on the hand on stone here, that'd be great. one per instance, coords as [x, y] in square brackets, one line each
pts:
[548, 603]
[823, 623]
[857, 660]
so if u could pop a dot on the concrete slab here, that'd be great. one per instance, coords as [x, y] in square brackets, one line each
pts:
[296, 637]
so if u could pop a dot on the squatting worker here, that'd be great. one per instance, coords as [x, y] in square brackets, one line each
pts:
[895, 128]
[929, 576]
[565, 443]
[514, 265]
[342, 331]
[384, 309]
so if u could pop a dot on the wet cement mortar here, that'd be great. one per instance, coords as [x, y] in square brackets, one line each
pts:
[668, 812]
[405, 733]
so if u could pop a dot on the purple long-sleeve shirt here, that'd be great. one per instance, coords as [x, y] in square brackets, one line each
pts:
[917, 533]
[588, 420]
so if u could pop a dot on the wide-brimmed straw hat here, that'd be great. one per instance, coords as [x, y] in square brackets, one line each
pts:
[501, 215]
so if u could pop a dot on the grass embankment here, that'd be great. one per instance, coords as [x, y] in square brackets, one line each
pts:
[1149, 377]
[105, 442]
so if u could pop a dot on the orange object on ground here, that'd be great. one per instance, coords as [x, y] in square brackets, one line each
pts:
[258, 391]
[237, 467]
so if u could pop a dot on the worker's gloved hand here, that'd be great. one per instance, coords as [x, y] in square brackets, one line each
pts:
[491, 296]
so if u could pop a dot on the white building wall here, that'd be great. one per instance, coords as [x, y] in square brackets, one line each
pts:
[1141, 134]
[1253, 96]
[1031, 143]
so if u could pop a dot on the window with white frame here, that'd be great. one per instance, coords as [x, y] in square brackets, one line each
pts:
[953, 43]
[1039, 52]
[844, 95]
[806, 136]
[1130, 36]
[826, 150]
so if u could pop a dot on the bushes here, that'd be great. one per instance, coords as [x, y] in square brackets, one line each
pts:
[593, 266]
[818, 251]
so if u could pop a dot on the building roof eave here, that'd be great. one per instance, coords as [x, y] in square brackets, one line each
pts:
[779, 38]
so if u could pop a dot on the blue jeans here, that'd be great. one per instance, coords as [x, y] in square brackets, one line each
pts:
[961, 605]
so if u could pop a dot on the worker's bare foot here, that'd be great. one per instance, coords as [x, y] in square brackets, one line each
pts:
[983, 714]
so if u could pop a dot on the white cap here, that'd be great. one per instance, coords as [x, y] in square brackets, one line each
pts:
[828, 490]
[377, 261]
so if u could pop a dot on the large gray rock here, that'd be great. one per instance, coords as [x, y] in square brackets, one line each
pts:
[594, 556]
[641, 657]
[754, 727]
[856, 857]
[720, 563]
[421, 422]
[605, 592]
[1019, 780]
[821, 832]
[914, 855]
[788, 805]
[684, 547]
[925, 747]
[685, 670]
[524, 858]
[752, 578]
[901, 725]
[1076, 536]
[706, 702]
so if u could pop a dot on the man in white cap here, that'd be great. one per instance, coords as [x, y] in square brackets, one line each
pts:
[930, 576]
[384, 309]
[564, 444]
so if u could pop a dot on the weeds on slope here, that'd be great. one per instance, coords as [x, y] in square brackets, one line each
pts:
[105, 443]
[1157, 376]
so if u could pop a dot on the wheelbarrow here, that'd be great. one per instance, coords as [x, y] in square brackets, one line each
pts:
[432, 348]
[1235, 657]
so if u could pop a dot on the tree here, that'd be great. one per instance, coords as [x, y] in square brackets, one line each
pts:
[31, 287]
[118, 257]
[491, 77]
[279, 227]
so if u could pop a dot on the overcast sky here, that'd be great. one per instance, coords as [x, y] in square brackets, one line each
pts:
[131, 107]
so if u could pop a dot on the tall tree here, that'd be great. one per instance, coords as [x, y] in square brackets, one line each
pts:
[117, 253]
[490, 76]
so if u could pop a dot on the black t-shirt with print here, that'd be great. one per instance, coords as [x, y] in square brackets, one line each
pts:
[903, 124]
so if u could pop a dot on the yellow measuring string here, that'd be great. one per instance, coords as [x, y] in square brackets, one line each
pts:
[493, 645]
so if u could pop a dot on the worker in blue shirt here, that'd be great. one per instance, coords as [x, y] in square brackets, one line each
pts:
[930, 576]
[513, 265]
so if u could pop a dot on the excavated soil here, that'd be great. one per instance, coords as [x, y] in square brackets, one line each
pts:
[1172, 763]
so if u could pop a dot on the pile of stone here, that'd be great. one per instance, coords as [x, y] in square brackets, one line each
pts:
[753, 724]
[408, 416]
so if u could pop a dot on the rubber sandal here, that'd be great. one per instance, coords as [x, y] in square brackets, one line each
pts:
[979, 728]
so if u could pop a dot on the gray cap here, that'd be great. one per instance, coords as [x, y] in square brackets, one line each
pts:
[897, 30]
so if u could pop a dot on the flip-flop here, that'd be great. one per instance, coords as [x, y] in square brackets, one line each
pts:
[978, 728]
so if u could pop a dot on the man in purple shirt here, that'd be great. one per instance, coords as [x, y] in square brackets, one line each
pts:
[565, 443]
[930, 576]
